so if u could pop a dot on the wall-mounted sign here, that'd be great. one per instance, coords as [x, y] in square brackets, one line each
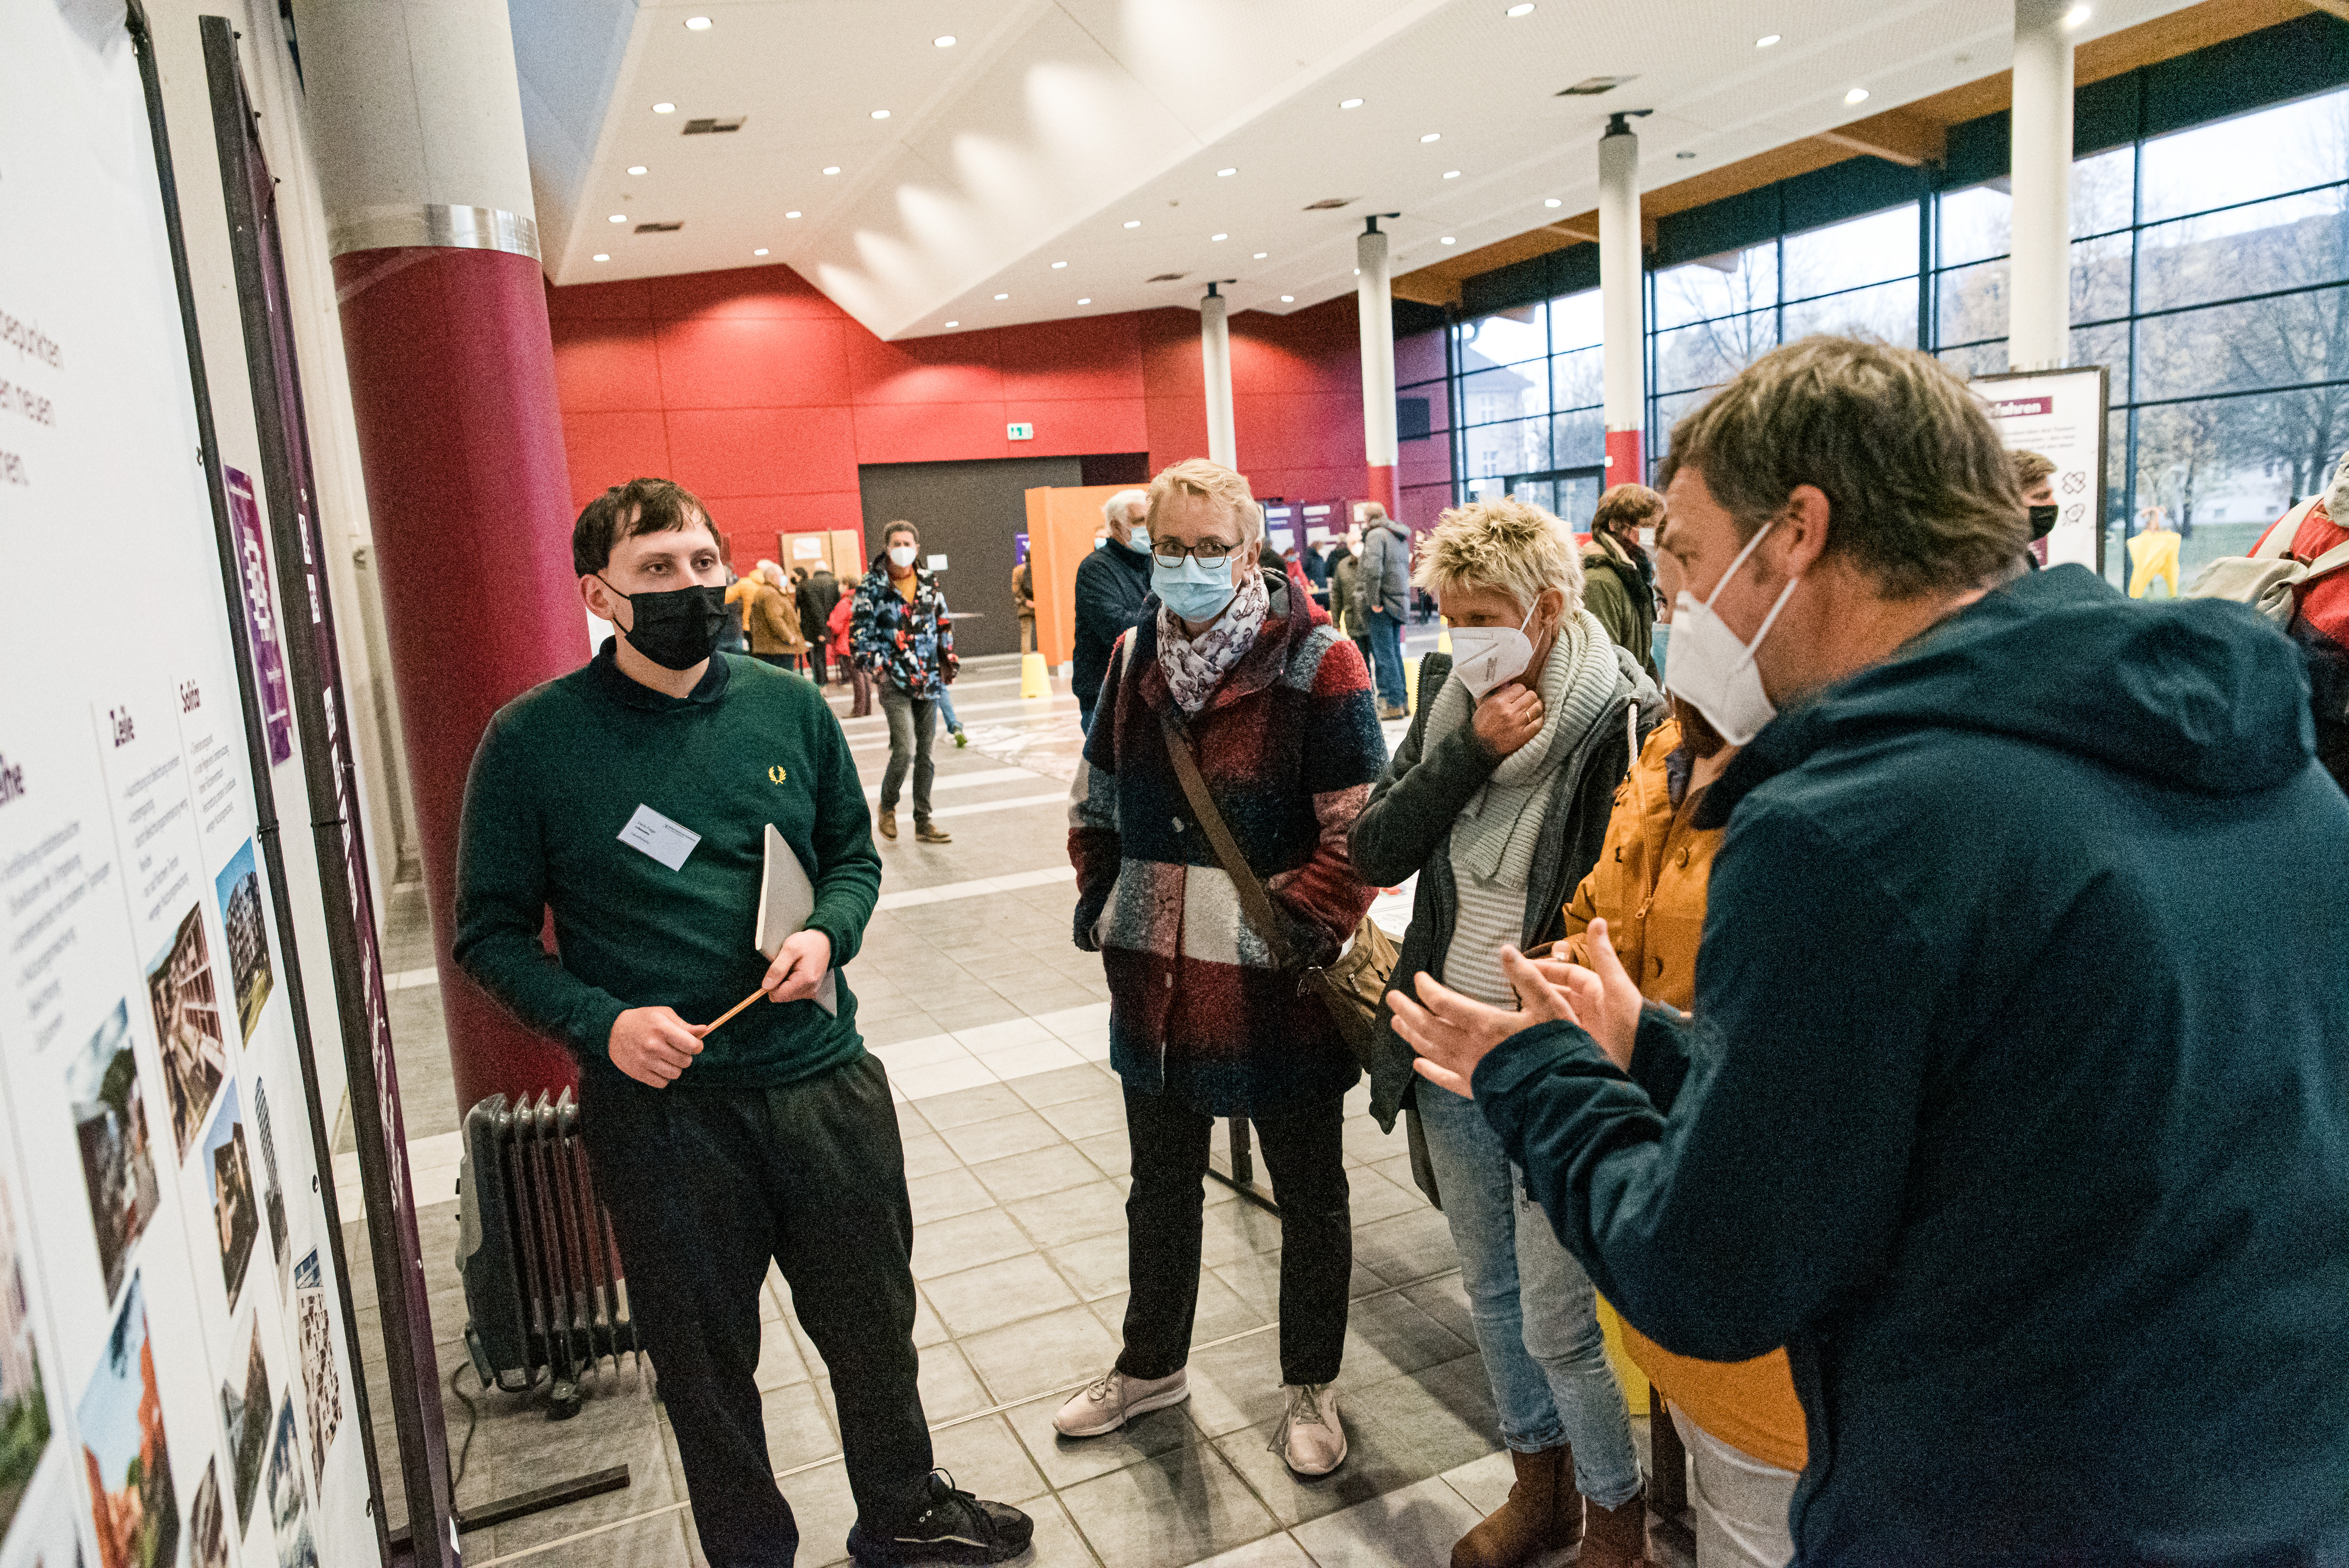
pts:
[938, 563]
[1019, 430]
[2060, 415]
[1322, 511]
[808, 547]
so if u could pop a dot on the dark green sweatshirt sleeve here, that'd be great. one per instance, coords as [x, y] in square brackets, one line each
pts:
[502, 904]
[1774, 1187]
[850, 882]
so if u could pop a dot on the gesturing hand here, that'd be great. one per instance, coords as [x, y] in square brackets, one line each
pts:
[1452, 1033]
[653, 1045]
[1606, 998]
[799, 968]
[1509, 718]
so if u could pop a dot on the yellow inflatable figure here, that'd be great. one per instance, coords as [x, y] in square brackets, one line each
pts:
[2153, 553]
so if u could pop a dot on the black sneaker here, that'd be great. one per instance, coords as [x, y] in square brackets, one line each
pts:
[952, 1527]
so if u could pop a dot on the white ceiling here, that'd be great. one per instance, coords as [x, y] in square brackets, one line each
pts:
[1050, 125]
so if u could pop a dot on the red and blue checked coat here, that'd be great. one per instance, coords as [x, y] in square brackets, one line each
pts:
[1289, 745]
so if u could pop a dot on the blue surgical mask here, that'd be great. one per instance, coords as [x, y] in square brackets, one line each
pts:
[1137, 539]
[1193, 591]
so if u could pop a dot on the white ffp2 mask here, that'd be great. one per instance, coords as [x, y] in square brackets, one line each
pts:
[901, 556]
[1711, 670]
[1485, 657]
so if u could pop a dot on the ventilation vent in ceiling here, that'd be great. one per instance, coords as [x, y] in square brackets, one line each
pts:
[1591, 87]
[660, 228]
[713, 127]
[1168, 278]
[1331, 203]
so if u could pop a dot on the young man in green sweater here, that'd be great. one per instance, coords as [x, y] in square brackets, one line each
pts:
[632, 798]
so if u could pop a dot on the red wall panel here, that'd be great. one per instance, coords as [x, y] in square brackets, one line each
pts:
[606, 449]
[603, 365]
[762, 451]
[752, 362]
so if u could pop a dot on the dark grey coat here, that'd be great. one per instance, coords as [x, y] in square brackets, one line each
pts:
[1407, 827]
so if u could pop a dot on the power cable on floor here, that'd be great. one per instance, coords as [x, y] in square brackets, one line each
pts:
[473, 1419]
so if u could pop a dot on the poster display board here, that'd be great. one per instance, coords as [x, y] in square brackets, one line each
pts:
[2059, 414]
[175, 1380]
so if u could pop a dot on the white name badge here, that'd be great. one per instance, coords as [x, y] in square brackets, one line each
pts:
[667, 842]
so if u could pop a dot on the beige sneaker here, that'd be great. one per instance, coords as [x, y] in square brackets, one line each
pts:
[1310, 1439]
[1105, 1405]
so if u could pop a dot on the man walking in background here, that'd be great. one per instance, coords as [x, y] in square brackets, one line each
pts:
[1620, 580]
[904, 640]
[819, 590]
[1382, 595]
[632, 799]
[1112, 583]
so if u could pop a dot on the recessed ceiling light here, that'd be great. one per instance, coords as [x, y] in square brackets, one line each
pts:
[1289, 299]
[663, 108]
[1087, 300]
[2075, 15]
[831, 169]
[1432, 135]
[697, 24]
[1553, 202]
[1856, 95]
[602, 257]
[954, 323]
[1057, 265]
[943, 40]
[1522, 8]
[1133, 223]
[1452, 174]
[790, 214]
[1219, 236]
[760, 252]
[618, 218]
[1002, 296]
[1351, 103]
[1222, 173]
[1261, 254]
[1766, 40]
[635, 168]
[1449, 240]
[880, 114]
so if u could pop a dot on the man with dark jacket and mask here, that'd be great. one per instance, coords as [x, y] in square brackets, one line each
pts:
[2015, 1092]
[633, 799]
[1112, 583]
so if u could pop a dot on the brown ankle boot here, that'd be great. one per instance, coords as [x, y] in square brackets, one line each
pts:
[1617, 1536]
[1527, 1524]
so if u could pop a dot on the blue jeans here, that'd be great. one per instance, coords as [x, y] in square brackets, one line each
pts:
[1386, 657]
[945, 712]
[1536, 1312]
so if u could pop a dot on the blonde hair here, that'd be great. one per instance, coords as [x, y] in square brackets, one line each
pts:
[771, 571]
[1505, 544]
[1197, 476]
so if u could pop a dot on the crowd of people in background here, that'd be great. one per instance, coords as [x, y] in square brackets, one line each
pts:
[1895, 980]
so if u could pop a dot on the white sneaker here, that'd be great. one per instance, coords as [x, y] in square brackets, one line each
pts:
[1105, 1405]
[1310, 1439]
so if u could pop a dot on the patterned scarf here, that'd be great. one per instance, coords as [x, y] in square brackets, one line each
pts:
[1193, 666]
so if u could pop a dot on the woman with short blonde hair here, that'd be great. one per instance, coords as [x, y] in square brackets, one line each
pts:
[1498, 800]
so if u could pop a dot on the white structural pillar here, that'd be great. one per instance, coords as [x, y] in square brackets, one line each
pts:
[1621, 302]
[1374, 304]
[1215, 363]
[2039, 290]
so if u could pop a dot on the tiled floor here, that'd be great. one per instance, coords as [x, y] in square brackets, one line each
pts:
[994, 1030]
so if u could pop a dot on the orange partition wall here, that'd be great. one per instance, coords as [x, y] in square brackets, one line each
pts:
[1061, 524]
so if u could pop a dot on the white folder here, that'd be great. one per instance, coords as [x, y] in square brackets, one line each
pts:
[786, 899]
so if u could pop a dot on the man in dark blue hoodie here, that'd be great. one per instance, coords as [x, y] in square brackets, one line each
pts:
[2015, 1100]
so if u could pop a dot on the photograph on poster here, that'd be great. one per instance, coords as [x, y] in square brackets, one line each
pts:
[245, 1421]
[46, 1531]
[320, 1383]
[236, 1216]
[273, 1192]
[187, 1027]
[133, 1509]
[207, 1528]
[117, 1164]
[24, 1407]
[247, 935]
[289, 1514]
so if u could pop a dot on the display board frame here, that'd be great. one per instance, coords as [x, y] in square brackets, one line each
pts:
[2054, 431]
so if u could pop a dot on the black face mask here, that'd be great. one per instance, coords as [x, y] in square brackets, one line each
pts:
[677, 627]
[2043, 518]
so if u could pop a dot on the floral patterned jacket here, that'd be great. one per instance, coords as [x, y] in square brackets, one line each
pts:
[911, 645]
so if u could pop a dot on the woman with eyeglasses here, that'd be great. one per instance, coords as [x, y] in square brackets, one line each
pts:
[1235, 676]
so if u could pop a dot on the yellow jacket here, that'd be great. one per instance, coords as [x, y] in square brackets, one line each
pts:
[1650, 886]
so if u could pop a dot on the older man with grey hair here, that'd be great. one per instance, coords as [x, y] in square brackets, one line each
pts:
[1112, 583]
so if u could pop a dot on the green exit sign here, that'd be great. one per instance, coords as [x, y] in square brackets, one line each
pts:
[1020, 432]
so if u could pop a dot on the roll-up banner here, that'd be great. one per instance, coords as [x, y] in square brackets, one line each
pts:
[176, 1381]
[2060, 415]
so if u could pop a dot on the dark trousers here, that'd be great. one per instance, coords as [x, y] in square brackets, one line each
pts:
[1306, 1154]
[913, 721]
[704, 1186]
[816, 663]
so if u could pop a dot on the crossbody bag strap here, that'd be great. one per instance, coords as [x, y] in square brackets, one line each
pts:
[1254, 903]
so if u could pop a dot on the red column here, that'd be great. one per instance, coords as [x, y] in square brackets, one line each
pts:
[1623, 454]
[453, 383]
